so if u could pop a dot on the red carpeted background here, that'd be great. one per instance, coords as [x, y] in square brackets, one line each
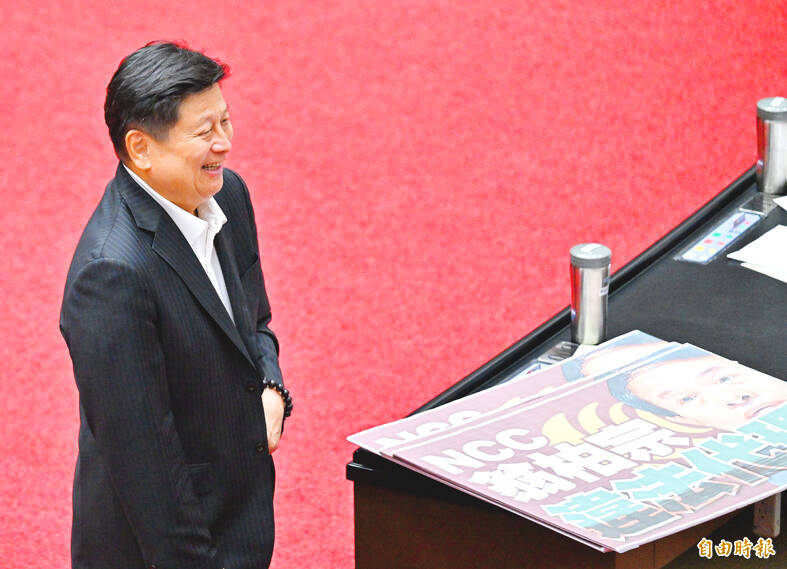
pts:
[419, 169]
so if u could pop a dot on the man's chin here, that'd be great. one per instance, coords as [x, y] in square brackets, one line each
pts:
[207, 191]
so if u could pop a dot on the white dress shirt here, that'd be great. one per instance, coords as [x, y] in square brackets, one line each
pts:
[199, 231]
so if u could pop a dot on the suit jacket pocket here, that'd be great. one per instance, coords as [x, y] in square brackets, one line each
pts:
[201, 478]
[246, 266]
[253, 288]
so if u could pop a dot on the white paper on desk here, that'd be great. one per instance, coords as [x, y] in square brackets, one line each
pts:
[781, 202]
[768, 251]
[767, 271]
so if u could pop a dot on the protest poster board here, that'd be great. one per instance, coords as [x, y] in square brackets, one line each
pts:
[677, 450]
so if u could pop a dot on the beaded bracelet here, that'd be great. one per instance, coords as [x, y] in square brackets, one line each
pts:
[285, 394]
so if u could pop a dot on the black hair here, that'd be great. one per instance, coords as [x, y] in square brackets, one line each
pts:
[146, 90]
[572, 368]
[619, 388]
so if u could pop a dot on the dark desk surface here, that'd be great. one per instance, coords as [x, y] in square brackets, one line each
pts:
[722, 307]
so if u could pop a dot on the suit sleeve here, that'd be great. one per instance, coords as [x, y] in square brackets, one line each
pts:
[267, 342]
[109, 322]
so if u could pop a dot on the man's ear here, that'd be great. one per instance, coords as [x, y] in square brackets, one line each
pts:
[138, 149]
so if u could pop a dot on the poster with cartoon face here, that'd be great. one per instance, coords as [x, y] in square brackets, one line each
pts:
[653, 448]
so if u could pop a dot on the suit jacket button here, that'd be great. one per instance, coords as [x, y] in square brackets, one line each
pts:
[260, 447]
[251, 388]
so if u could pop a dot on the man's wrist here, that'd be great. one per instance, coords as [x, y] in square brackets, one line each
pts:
[282, 391]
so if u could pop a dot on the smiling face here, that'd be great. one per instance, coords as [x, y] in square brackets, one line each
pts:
[186, 166]
[709, 391]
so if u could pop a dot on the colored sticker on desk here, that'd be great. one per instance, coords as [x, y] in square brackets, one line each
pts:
[709, 245]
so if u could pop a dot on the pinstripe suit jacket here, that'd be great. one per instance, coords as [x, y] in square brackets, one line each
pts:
[173, 468]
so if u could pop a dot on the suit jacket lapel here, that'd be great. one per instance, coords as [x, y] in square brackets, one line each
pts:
[170, 245]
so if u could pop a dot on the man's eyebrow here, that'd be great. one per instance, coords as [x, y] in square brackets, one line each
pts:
[709, 373]
[207, 114]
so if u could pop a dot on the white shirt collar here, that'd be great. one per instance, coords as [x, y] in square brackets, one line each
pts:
[199, 233]
[196, 230]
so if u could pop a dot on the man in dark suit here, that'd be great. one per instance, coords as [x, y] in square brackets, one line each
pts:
[166, 318]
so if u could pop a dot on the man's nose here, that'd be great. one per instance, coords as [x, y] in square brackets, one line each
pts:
[736, 398]
[221, 142]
